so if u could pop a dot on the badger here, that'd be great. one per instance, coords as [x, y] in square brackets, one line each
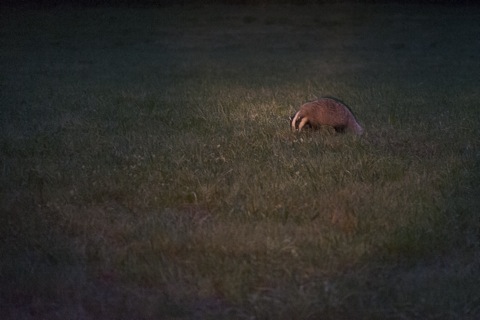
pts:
[325, 112]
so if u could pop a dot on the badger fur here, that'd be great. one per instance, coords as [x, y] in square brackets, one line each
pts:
[325, 112]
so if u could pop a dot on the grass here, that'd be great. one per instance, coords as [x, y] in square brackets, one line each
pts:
[148, 171]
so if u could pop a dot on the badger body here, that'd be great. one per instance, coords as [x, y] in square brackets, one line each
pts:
[325, 112]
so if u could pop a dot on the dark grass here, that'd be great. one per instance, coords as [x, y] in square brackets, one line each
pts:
[148, 169]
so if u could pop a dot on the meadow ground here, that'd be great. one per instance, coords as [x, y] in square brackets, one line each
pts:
[148, 170]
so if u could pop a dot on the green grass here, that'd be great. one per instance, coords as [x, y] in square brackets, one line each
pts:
[148, 170]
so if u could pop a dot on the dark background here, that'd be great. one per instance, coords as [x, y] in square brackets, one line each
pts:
[54, 3]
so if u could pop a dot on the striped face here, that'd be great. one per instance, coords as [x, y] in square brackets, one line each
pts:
[295, 121]
[292, 125]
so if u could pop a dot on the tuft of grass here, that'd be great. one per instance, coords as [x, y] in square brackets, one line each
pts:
[148, 170]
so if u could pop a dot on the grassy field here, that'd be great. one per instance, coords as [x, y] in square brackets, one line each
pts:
[147, 169]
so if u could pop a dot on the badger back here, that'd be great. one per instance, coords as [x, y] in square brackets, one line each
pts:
[330, 112]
